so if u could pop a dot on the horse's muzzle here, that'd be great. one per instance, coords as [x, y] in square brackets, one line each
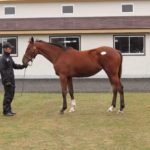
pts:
[25, 61]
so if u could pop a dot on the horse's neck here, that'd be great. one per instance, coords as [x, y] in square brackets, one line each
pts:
[50, 52]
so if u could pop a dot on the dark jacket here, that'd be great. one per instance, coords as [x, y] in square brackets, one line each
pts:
[6, 69]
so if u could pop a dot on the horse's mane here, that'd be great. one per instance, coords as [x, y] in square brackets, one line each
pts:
[58, 45]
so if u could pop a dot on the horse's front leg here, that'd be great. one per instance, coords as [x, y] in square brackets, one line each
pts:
[71, 92]
[64, 82]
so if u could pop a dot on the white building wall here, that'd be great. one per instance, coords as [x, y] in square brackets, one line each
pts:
[81, 9]
[133, 66]
[138, 66]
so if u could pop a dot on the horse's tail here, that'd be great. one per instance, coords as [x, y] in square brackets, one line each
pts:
[120, 67]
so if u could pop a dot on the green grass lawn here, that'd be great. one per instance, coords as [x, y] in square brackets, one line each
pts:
[38, 126]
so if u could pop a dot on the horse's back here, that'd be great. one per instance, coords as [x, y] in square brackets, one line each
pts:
[103, 52]
[109, 58]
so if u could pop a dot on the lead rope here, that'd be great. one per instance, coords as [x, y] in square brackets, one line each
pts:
[22, 90]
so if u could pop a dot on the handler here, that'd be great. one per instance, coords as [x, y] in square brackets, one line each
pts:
[7, 74]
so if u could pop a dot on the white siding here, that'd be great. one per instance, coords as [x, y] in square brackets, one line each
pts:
[133, 66]
[85, 9]
[138, 66]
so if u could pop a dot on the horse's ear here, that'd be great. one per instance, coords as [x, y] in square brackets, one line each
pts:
[32, 40]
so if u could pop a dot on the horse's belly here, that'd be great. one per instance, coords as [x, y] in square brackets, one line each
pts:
[84, 74]
[86, 71]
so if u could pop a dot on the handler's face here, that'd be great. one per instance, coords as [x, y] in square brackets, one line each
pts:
[8, 50]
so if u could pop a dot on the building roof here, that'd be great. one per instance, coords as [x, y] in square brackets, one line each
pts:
[75, 24]
[42, 1]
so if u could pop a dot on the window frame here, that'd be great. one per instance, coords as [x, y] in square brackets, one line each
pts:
[4, 37]
[127, 4]
[10, 6]
[67, 5]
[67, 36]
[132, 35]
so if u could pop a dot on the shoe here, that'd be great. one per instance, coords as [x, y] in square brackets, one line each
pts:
[13, 113]
[9, 114]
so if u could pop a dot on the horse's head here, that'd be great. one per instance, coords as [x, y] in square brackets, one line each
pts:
[30, 53]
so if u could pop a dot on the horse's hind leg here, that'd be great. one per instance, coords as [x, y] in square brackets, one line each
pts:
[64, 82]
[113, 105]
[117, 87]
[122, 104]
[71, 92]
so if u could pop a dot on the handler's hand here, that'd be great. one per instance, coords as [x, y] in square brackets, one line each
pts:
[25, 66]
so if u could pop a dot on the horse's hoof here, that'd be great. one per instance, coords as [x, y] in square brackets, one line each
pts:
[61, 112]
[72, 110]
[120, 112]
[110, 109]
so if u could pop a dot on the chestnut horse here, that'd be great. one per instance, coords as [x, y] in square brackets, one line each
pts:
[69, 63]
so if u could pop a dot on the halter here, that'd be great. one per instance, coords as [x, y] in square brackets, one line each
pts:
[33, 55]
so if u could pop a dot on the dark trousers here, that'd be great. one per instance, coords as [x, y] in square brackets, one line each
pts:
[8, 97]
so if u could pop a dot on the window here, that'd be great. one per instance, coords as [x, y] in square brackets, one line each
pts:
[67, 9]
[127, 7]
[130, 44]
[67, 41]
[10, 10]
[12, 40]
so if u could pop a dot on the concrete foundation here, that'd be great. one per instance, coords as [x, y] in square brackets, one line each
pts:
[80, 85]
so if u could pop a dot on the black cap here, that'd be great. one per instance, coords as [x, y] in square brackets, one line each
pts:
[8, 45]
